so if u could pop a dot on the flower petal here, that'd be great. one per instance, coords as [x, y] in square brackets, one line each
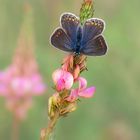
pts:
[68, 63]
[68, 80]
[73, 96]
[82, 83]
[57, 75]
[62, 79]
[87, 93]
[21, 86]
[38, 89]
[35, 78]
[76, 72]
[60, 85]
[3, 90]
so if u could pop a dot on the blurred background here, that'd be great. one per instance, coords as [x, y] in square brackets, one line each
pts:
[114, 112]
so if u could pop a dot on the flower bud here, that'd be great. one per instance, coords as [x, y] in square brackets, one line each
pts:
[87, 11]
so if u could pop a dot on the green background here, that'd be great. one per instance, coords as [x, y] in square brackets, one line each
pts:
[114, 112]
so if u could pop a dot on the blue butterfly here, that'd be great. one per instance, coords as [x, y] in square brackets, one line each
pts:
[73, 37]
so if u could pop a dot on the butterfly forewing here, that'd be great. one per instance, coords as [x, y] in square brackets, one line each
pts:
[95, 47]
[70, 24]
[92, 28]
[60, 40]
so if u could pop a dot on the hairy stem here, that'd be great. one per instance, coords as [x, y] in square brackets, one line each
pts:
[46, 132]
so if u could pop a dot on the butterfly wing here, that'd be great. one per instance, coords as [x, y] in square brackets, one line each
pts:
[95, 47]
[70, 24]
[92, 28]
[60, 40]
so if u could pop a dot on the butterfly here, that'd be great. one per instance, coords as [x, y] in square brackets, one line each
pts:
[71, 36]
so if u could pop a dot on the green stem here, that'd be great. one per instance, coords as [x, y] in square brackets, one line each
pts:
[46, 132]
[15, 129]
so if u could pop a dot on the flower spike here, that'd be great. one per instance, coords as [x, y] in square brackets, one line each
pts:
[87, 11]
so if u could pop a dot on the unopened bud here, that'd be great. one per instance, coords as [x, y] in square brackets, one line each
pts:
[87, 11]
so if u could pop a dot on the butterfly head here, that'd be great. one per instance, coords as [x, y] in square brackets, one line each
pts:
[77, 53]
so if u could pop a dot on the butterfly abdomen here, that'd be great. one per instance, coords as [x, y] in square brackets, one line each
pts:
[78, 40]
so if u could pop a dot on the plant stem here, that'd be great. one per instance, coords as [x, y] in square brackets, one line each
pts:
[15, 129]
[46, 132]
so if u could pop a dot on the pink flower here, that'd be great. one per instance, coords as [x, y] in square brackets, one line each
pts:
[20, 85]
[20, 82]
[62, 79]
[4, 78]
[19, 106]
[76, 72]
[67, 62]
[82, 91]
[38, 86]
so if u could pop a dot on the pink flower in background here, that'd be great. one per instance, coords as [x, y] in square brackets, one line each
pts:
[62, 79]
[20, 85]
[3, 81]
[21, 80]
[39, 86]
[81, 91]
[19, 106]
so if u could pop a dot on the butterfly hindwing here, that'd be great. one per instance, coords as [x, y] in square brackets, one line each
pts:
[92, 28]
[70, 24]
[60, 40]
[95, 47]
